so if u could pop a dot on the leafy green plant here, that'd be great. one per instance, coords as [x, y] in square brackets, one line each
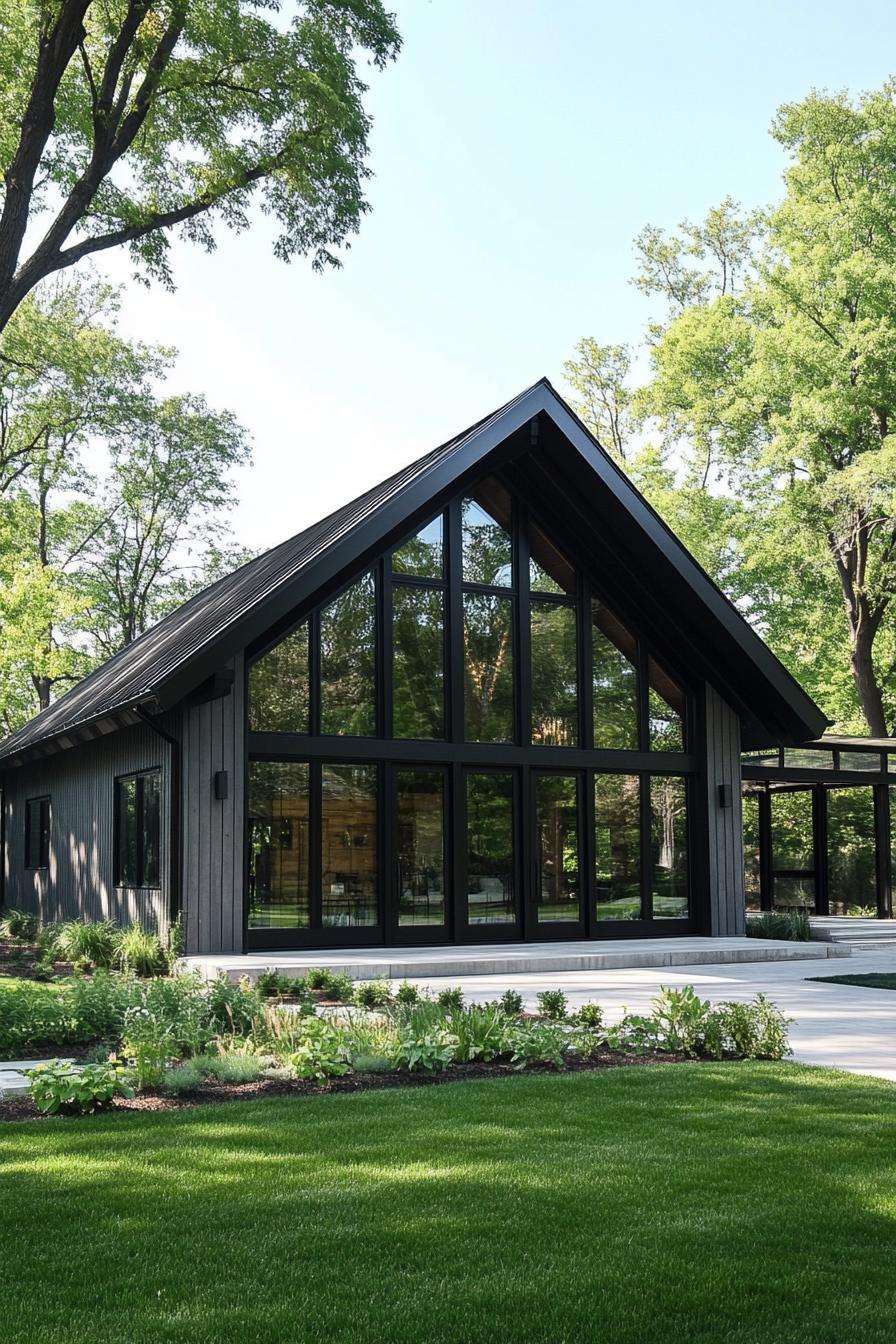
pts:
[187, 1076]
[318, 978]
[174, 944]
[368, 1035]
[481, 1033]
[89, 943]
[432, 1052]
[341, 988]
[148, 1045]
[233, 1008]
[372, 1063]
[319, 1052]
[755, 1030]
[789, 925]
[678, 1020]
[182, 1006]
[269, 984]
[67, 1089]
[553, 1004]
[19, 926]
[406, 993]
[140, 951]
[373, 993]
[452, 1000]
[539, 1043]
[591, 1016]
[511, 1002]
[34, 1016]
[97, 1006]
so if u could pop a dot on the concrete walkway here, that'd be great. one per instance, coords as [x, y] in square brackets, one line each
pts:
[12, 1073]
[837, 1025]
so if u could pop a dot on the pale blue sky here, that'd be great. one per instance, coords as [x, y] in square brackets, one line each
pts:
[518, 146]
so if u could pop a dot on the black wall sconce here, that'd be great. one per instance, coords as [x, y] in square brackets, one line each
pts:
[724, 795]
[220, 785]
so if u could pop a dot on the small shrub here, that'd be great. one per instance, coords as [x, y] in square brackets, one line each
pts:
[184, 1077]
[553, 1004]
[97, 1006]
[511, 1002]
[481, 1033]
[407, 994]
[590, 1016]
[182, 1007]
[319, 1053]
[232, 1008]
[318, 979]
[234, 1066]
[790, 925]
[140, 951]
[19, 926]
[33, 1016]
[148, 1045]
[368, 1037]
[89, 944]
[756, 1030]
[341, 988]
[432, 1052]
[372, 1063]
[268, 984]
[44, 969]
[679, 1020]
[539, 1043]
[373, 993]
[63, 1089]
[451, 1000]
[295, 985]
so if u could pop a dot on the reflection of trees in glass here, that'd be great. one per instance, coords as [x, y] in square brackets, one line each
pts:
[617, 833]
[793, 845]
[666, 710]
[852, 879]
[279, 686]
[490, 867]
[422, 555]
[614, 682]
[488, 668]
[487, 544]
[751, 849]
[555, 703]
[349, 845]
[348, 661]
[278, 845]
[556, 801]
[421, 847]
[669, 869]
[418, 679]
[549, 569]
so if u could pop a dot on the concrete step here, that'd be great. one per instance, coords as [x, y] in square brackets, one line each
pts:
[865, 934]
[409, 963]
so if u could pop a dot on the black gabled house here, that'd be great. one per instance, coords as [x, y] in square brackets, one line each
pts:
[493, 698]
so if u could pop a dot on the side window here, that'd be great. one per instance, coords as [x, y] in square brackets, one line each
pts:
[37, 833]
[137, 829]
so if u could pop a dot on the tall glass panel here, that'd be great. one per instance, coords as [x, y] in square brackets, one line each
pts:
[488, 668]
[555, 683]
[487, 543]
[348, 662]
[558, 893]
[666, 710]
[617, 836]
[152, 826]
[418, 675]
[669, 846]
[614, 682]
[279, 686]
[549, 569]
[751, 850]
[278, 845]
[420, 844]
[423, 555]
[491, 870]
[793, 850]
[349, 878]
[852, 873]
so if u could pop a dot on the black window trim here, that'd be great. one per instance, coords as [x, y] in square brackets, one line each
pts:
[43, 856]
[117, 877]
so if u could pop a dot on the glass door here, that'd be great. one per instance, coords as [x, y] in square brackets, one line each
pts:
[490, 886]
[793, 850]
[558, 905]
[419, 910]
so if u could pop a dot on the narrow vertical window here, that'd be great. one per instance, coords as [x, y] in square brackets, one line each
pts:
[669, 846]
[487, 540]
[37, 833]
[491, 862]
[614, 682]
[420, 836]
[418, 676]
[555, 676]
[138, 829]
[348, 662]
[279, 851]
[558, 894]
[617, 846]
[488, 668]
[279, 686]
[666, 709]
[350, 865]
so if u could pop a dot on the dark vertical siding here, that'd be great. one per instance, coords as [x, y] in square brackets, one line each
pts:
[214, 829]
[80, 877]
[725, 838]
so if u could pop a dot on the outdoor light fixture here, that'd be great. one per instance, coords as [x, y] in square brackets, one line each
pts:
[724, 795]
[220, 785]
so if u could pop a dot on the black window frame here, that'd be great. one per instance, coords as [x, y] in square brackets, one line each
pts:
[121, 879]
[44, 824]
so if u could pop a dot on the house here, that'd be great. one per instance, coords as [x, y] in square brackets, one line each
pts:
[494, 698]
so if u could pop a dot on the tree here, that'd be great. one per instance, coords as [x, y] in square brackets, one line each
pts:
[124, 121]
[774, 376]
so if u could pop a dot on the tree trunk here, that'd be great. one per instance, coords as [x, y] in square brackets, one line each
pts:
[870, 697]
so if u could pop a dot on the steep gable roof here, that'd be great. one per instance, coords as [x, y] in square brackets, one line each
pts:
[184, 648]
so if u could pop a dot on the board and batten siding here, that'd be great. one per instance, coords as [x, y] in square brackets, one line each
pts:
[214, 829]
[80, 879]
[725, 836]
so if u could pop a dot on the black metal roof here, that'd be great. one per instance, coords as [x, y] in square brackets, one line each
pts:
[187, 646]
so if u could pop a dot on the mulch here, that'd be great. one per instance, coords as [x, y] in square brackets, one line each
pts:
[23, 1108]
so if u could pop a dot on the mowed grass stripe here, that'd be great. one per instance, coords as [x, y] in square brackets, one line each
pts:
[682, 1203]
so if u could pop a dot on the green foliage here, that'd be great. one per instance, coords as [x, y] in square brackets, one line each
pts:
[450, 999]
[19, 926]
[341, 988]
[140, 951]
[188, 1076]
[90, 942]
[432, 1051]
[368, 1036]
[789, 925]
[591, 1016]
[233, 1009]
[96, 1007]
[66, 1089]
[174, 943]
[318, 978]
[678, 1020]
[373, 993]
[319, 1052]
[754, 1030]
[269, 984]
[512, 1002]
[539, 1043]
[553, 1004]
[481, 1033]
[33, 1016]
[406, 993]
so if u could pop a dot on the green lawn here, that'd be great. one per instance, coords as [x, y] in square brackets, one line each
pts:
[684, 1204]
[875, 980]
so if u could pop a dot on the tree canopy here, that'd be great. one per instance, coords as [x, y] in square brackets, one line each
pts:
[123, 121]
[773, 390]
